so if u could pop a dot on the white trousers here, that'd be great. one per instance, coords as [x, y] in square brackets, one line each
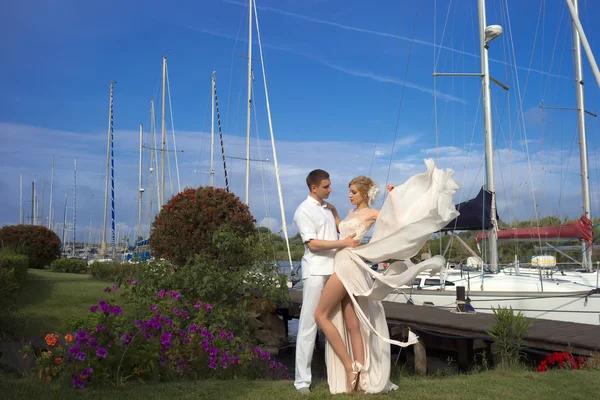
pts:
[307, 328]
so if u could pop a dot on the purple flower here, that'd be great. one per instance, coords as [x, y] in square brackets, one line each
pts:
[161, 293]
[103, 306]
[162, 361]
[208, 307]
[176, 311]
[87, 371]
[101, 352]
[193, 328]
[116, 310]
[115, 288]
[175, 295]
[99, 327]
[235, 360]
[214, 351]
[197, 304]
[131, 281]
[153, 307]
[272, 364]
[80, 356]
[78, 383]
[165, 339]
[229, 335]
[204, 344]
[107, 290]
[81, 334]
[212, 365]
[74, 350]
[127, 338]
[187, 340]
[266, 356]
[222, 335]
[224, 364]
[93, 308]
[138, 323]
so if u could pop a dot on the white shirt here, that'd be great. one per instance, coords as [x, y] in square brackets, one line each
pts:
[314, 221]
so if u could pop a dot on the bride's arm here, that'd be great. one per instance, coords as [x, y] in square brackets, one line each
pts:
[335, 215]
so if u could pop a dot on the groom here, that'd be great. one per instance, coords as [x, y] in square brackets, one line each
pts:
[317, 227]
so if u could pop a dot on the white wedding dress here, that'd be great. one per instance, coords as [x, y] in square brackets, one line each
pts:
[410, 214]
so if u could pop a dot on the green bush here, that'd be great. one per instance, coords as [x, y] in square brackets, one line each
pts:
[238, 282]
[39, 243]
[69, 265]
[8, 287]
[186, 224]
[9, 259]
[509, 331]
[112, 271]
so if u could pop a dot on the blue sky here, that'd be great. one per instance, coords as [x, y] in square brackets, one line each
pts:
[345, 78]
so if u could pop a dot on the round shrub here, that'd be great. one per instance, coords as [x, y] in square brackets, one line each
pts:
[69, 265]
[186, 225]
[39, 243]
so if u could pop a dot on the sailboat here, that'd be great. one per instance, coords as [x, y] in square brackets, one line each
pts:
[536, 292]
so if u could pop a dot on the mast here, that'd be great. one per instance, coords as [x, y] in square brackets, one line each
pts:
[583, 153]
[64, 230]
[42, 222]
[33, 202]
[212, 131]
[110, 128]
[164, 132]
[90, 233]
[140, 191]
[275, 162]
[151, 169]
[21, 199]
[51, 210]
[74, 202]
[249, 102]
[489, 151]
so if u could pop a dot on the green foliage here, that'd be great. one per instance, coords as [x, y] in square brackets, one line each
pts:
[13, 274]
[186, 224]
[39, 243]
[509, 332]
[69, 265]
[238, 282]
[112, 271]
[9, 259]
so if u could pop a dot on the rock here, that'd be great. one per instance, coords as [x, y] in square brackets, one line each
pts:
[272, 332]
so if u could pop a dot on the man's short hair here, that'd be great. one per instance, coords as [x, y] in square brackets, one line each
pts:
[315, 177]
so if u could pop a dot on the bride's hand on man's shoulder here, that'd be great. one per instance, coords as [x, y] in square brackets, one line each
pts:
[330, 206]
[390, 187]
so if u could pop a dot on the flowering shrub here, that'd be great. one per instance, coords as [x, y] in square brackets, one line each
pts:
[170, 342]
[39, 243]
[186, 224]
[564, 360]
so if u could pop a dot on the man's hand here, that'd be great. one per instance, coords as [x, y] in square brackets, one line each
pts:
[350, 242]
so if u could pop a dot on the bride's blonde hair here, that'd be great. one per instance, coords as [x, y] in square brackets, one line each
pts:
[367, 188]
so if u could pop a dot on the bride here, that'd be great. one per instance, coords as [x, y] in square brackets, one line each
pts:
[350, 311]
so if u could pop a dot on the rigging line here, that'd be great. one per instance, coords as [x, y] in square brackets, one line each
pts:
[386, 98]
[435, 65]
[559, 26]
[262, 173]
[521, 97]
[202, 135]
[275, 163]
[173, 130]
[242, 19]
[387, 179]
[564, 180]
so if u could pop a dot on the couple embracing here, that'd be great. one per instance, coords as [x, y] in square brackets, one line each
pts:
[341, 293]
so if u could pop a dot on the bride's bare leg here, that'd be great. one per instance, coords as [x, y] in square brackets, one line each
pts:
[332, 295]
[353, 326]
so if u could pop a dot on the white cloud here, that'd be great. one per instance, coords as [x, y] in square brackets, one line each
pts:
[30, 151]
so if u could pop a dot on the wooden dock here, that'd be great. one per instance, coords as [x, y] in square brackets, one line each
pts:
[444, 330]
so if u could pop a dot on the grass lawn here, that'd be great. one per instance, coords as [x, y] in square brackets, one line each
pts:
[488, 385]
[47, 300]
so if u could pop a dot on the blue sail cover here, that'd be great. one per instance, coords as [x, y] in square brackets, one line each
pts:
[474, 214]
